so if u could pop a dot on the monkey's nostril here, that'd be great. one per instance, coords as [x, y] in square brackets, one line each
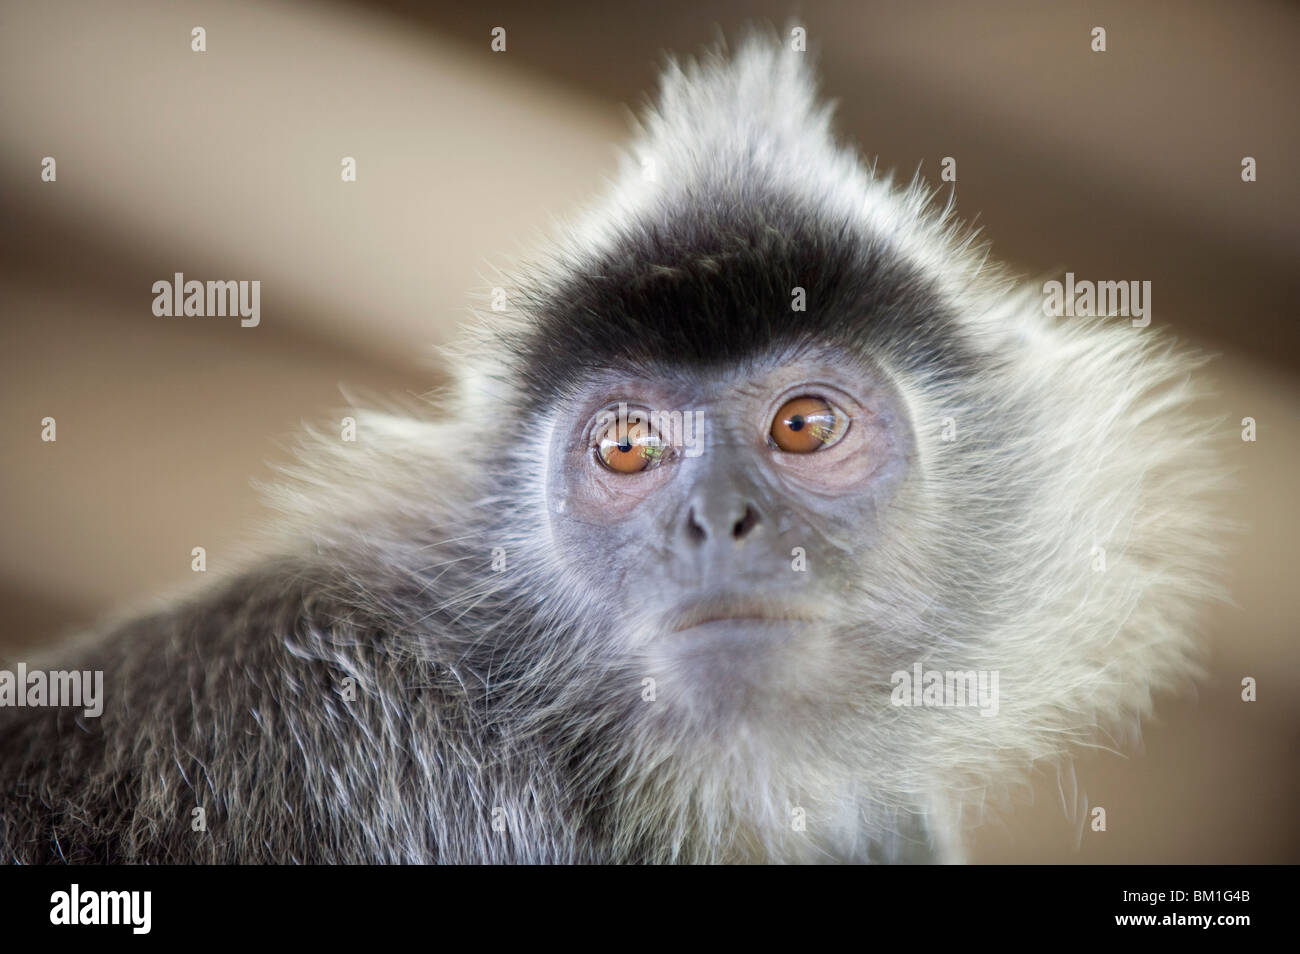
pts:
[745, 523]
[695, 528]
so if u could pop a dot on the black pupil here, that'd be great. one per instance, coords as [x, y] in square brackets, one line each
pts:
[625, 446]
[796, 423]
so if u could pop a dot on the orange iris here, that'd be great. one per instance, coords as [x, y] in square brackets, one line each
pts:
[806, 424]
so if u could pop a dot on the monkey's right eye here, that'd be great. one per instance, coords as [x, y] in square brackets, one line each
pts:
[629, 446]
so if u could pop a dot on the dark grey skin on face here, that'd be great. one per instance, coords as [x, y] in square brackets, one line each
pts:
[703, 556]
[472, 641]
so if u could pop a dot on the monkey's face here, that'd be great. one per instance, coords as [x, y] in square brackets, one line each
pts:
[723, 519]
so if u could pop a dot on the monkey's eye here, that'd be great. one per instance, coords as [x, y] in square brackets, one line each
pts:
[629, 445]
[806, 424]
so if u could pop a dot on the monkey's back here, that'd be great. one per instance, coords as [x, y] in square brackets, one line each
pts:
[264, 721]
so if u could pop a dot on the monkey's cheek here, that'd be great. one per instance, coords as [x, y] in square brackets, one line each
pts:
[605, 502]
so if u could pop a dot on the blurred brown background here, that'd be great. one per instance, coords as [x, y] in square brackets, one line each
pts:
[225, 165]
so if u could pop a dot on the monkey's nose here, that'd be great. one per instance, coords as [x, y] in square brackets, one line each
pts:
[704, 523]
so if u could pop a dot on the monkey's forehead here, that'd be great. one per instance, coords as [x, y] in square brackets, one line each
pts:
[724, 278]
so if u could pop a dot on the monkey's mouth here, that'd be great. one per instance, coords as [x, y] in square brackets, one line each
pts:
[738, 614]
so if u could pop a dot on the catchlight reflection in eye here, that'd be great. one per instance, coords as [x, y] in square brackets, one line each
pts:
[806, 424]
[630, 446]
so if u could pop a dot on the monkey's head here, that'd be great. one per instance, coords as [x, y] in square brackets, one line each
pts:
[781, 433]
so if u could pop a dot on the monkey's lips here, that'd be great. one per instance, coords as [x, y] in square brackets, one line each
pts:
[726, 648]
[739, 618]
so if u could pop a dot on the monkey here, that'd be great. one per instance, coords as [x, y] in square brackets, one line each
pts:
[760, 438]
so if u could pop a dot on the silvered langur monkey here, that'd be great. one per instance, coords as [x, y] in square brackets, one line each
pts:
[757, 446]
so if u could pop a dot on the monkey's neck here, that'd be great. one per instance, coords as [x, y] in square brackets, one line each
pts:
[644, 793]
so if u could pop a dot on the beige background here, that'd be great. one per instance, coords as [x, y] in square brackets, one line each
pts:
[1123, 165]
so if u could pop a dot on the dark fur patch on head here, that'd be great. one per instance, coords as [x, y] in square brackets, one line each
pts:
[713, 283]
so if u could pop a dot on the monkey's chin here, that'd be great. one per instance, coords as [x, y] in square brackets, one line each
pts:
[739, 666]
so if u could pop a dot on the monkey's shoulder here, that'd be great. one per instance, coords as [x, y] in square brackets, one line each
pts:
[258, 720]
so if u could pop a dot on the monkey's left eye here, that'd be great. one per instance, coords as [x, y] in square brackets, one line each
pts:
[628, 446]
[806, 424]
